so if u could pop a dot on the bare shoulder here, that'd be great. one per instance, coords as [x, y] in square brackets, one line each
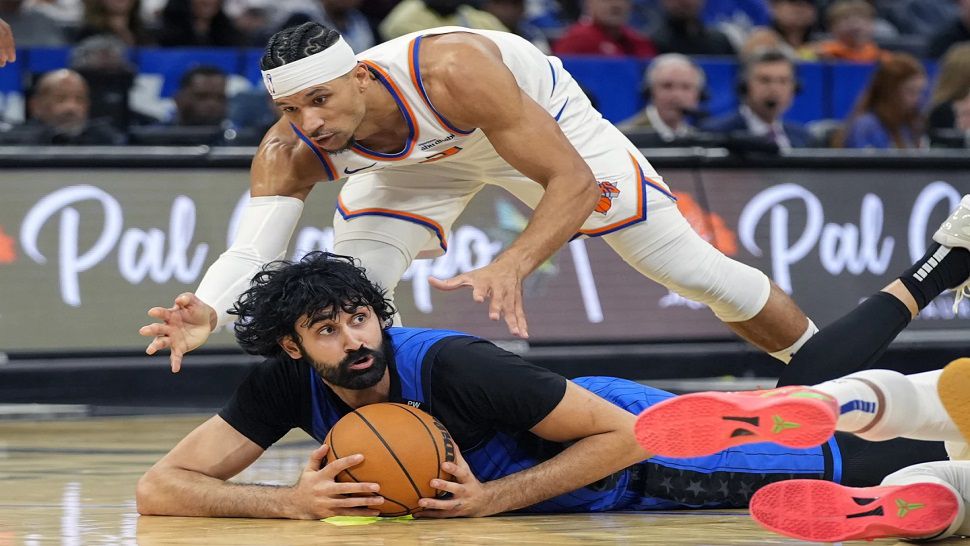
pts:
[283, 165]
[456, 54]
[460, 65]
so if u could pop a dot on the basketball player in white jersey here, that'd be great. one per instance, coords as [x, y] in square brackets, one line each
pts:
[419, 125]
[924, 501]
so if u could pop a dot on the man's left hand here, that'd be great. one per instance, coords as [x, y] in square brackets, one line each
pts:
[469, 498]
[500, 282]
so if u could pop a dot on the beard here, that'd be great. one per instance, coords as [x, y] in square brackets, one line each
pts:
[342, 375]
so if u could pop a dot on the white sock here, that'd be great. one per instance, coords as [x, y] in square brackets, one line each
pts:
[785, 355]
[857, 400]
[889, 405]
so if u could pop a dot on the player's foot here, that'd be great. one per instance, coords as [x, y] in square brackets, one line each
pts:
[819, 510]
[954, 232]
[699, 424]
[954, 389]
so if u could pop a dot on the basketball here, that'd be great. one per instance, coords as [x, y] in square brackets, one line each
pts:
[403, 448]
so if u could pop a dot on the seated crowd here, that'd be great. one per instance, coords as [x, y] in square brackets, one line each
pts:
[94, 100]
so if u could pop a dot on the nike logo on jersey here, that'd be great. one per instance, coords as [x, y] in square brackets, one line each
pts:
[352, 171]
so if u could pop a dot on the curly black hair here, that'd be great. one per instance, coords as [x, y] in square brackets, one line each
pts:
[316, 287]
[294, 43]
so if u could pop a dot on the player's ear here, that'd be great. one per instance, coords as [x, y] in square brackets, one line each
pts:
[291, 347]
[361, 76]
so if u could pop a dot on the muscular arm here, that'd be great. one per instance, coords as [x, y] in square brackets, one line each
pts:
[604, 443]
[471, 86]
[191, 479]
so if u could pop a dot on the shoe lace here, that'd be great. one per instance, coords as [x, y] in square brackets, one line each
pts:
[960, 292]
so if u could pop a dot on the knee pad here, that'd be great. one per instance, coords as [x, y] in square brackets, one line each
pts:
[735, 292]
[383, 263]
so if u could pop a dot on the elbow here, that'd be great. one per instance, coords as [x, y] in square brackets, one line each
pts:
[591, 194]
[145, 492]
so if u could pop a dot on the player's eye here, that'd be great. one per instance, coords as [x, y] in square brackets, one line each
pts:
[326, 330]
[319, 100]
[359, 318]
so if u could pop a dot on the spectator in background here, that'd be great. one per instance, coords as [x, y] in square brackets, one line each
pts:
[121, 18]
[957, 31]
[952, 84]
[66, 13]
[343, 16]
[58, 111]
[201, 98]
[103, 62]
[919, 17]
[603, 30]
[887, 114]
[794, 21]
[32, 28]
[253, 23]
[766, 87]
[512, 14]
[961, 110]
[197, 23]
[683, 31]
[672, 86]
[762, 38]
[414, 15]
[736, 18]
[851, 23]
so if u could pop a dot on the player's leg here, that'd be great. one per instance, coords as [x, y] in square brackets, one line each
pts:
[857, 340]
[667, 250]
[386, 220]
[874, 404]
[385, 247]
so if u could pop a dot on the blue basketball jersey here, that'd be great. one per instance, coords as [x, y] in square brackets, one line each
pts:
[725, 479]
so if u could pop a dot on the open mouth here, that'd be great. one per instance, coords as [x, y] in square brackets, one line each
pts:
[362, 363]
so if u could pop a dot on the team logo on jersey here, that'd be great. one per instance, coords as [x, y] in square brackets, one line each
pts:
[348, 170]
[268, 80]
[443, 154]
[608, 192]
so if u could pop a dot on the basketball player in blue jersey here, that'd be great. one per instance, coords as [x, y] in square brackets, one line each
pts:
[527, 439]
[417, 126]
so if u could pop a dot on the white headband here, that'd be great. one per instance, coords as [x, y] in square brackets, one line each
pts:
[329, 64]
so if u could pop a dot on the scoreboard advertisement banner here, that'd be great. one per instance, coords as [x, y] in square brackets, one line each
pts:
[85, 252]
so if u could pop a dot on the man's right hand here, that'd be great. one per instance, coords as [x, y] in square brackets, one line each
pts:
[185, 326]
[318, 495]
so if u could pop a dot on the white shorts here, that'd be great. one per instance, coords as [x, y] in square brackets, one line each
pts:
[636, 213]
[434, 196]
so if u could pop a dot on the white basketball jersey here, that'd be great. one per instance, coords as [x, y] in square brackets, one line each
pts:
[434, 138]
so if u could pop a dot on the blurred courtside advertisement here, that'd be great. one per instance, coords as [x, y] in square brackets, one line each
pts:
[85, 252]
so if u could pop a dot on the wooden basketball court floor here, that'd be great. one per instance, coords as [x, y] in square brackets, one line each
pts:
[72, 482]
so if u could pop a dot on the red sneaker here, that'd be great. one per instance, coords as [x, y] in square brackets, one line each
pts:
[818, 510]
[694, 425]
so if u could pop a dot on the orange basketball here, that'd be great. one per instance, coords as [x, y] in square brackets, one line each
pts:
[403, 448]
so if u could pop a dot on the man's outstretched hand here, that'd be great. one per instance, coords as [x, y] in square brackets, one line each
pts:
[501, 284]
[185, 326]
